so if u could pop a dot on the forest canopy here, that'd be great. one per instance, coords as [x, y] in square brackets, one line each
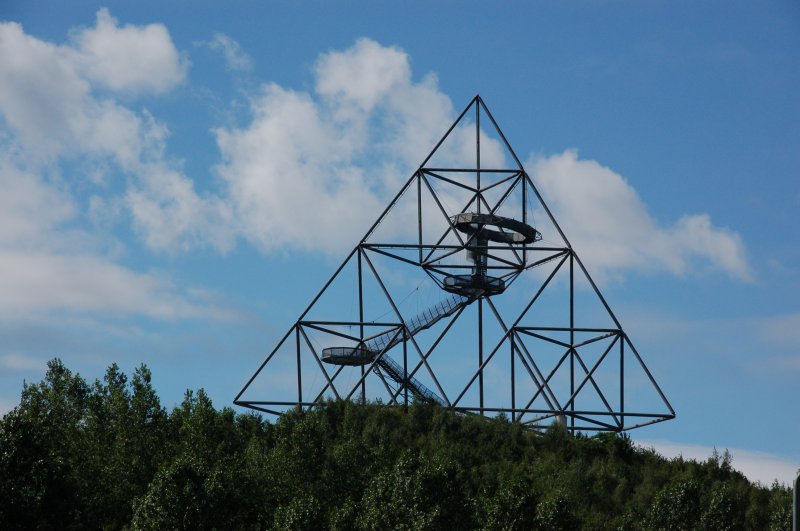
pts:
[107, 454]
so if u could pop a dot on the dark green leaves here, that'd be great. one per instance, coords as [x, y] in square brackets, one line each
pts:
[107, 455]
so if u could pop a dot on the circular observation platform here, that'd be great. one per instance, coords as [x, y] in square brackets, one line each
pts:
[507, 230]
[347, 356]
[474, 285]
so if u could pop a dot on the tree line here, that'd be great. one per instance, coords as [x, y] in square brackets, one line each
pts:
[108, 455]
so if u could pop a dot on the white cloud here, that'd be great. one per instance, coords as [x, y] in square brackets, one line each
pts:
[29, 209]
[313, 171]
[792, 363]
[47, 266]
[310, 170]
[170, 215]
[42, 96]
[235, 57]
[781, 330]
[756, 466]
[362, 75]
[132, 59]
[21, 362]
[290, 178]
[48, 100]
[46, 91]
[33, 282]
[49, 262]
[609, 226]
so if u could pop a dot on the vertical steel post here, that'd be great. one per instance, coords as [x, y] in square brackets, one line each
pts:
[299, 373]
[361, 321]
[513, 390]
[572, 336]
[419, 215]
[622, 382]
[478, 151]
[524, 216]
[796, 504]
[405, 368]
[480, 352]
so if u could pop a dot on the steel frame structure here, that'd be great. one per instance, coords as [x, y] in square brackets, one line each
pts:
[434, 256]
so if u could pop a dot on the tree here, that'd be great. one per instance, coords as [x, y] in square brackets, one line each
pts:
[108, 455]
[41, 453]
[724, 510]
[556, 512]
[676, 507]
[512, 505]
[418, 493]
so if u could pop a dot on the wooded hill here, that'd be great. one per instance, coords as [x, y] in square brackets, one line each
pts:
[77, 455]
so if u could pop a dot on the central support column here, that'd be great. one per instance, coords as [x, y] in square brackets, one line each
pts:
[480, 352]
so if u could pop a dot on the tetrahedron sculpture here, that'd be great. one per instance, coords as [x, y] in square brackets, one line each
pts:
[465, 292]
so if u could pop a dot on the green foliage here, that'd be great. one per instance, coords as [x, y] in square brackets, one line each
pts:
[556, 513]
[511, 505]
[418, 493]
[724, 510]
[108, 455]
[676, 507]
[176, 499]
[301, 512]
[40, 461]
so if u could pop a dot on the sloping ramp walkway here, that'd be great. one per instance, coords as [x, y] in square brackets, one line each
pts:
[366, 354]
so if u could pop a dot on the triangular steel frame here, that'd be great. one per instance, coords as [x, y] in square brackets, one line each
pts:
[433, 256]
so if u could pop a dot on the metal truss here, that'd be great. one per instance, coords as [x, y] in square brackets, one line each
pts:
[569, 372]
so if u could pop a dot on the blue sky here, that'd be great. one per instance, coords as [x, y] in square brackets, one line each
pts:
[173, 180]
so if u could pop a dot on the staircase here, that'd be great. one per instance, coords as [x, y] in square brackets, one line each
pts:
[386, 341]
[426, 319]
[394, 371]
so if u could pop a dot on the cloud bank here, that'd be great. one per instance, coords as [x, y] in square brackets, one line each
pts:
[756, 466]
[307, 170]
[312, 171]
[235, 58]
[609, 225]
[62, 113]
